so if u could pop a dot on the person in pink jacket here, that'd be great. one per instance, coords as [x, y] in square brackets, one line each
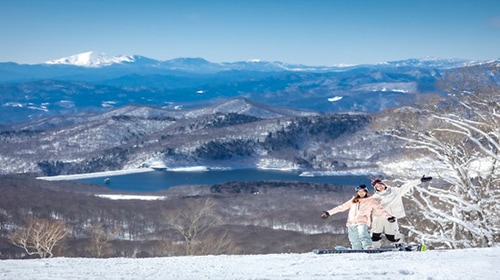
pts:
[359, 219]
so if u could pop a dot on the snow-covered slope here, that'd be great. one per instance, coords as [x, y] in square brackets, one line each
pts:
[450, 264]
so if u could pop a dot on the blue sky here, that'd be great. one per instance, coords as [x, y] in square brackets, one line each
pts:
[310, 32]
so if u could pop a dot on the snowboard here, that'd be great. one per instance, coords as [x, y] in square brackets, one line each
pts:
[344, 250]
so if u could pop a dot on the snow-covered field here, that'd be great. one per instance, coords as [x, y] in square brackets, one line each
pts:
[467, 264]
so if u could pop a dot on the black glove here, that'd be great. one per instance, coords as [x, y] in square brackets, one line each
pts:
[325, 215]
[425, 179]
[391, 219]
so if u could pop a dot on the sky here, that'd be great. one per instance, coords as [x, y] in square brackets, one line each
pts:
[472, 264]
[309, 32]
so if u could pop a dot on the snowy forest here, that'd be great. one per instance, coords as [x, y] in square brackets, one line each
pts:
[461, 134]
[455, 136]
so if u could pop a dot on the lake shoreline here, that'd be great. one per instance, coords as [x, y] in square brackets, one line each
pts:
[143, 180]
[353, 172]
[95, 174]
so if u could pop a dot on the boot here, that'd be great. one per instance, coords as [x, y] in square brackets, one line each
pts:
[401, 242]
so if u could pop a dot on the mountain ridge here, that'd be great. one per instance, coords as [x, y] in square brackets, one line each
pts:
[28, 92]
[101, 59]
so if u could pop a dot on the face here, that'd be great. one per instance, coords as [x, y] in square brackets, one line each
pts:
[361, 193]
[380, 187]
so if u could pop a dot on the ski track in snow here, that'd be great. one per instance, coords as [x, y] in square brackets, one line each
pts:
[446, 264]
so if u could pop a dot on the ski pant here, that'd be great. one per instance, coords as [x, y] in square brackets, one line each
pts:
[381, 225]
[359, 237]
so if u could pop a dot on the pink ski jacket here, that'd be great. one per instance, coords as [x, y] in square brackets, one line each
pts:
[360, 212]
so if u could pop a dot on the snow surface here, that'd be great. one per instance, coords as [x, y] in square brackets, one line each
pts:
[467, 264]
[336, 98]
[130, 197]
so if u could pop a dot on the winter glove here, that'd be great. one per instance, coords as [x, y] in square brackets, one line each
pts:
[425, 179]
[325, 215]
[391, 219]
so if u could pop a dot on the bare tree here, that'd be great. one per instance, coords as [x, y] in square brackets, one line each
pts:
[100, 237]
[214, 244]
[191, 221]
[40, 236]
[462, 135]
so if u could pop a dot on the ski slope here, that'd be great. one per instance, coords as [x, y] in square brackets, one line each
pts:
[443, 264]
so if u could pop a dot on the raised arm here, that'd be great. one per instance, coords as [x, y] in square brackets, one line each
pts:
[406, 187]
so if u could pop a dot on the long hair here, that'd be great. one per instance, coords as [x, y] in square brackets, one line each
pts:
[357, 198]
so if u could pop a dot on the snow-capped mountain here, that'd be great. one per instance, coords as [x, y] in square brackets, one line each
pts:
[101, 59]
[92, 59]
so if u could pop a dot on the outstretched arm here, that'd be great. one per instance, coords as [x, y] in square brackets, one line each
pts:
[340, 208]
[406, 187]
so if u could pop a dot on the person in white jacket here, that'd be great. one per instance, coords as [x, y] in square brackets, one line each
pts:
[391, 200]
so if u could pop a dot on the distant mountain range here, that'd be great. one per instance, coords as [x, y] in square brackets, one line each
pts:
[95, 82]
[101, 59]
[92, 112]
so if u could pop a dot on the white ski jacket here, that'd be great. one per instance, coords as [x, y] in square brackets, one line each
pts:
[391, 198]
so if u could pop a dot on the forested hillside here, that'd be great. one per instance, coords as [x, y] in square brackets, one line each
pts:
[233, 133]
